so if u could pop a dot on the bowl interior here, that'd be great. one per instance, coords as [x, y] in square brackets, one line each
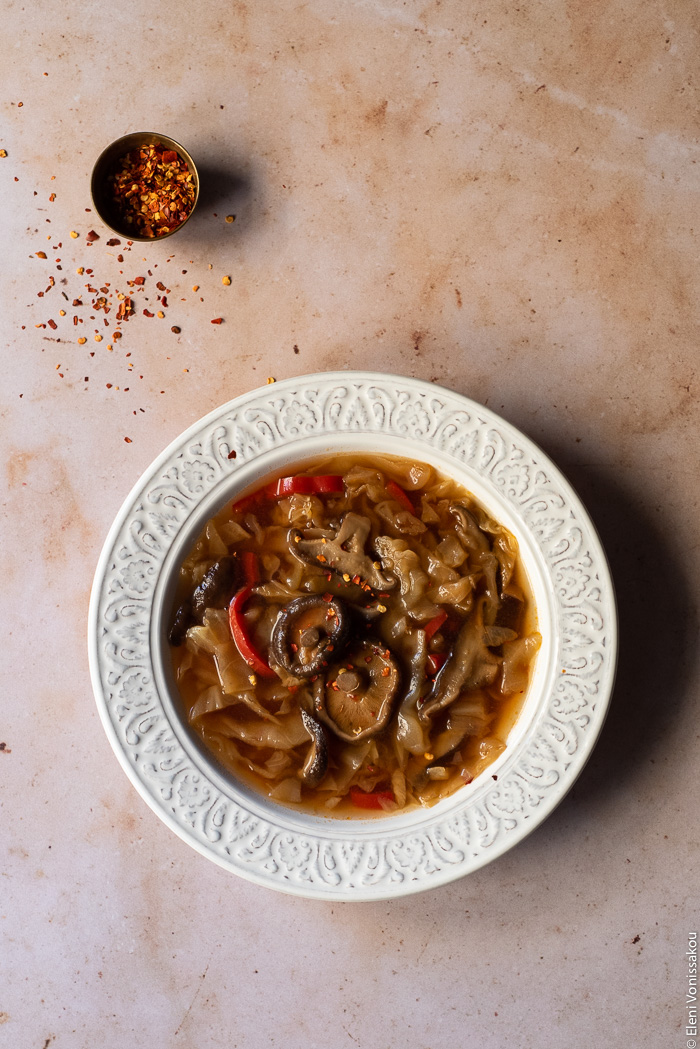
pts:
[250, 477]
[99, 188]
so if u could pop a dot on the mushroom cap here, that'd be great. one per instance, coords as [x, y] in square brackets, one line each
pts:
[355, 698]
[182, 620]
[316, 764]
[470, 665]
[215, 591]
[217, 586]
[344, 553]
[307, 631]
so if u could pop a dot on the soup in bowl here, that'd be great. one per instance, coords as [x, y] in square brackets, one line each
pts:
[354, 637]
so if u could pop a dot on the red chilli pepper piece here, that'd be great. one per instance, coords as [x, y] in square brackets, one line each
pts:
[249, 564]
[397, 493]
[434, 625]
[435, 661]
[246, 503]
[328, 484]
[325, 484]
[364, 800]
[241, 637]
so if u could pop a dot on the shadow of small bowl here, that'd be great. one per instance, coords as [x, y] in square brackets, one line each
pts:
[99, 190]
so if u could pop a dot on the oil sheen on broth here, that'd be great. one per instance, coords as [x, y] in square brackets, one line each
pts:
[355, 638]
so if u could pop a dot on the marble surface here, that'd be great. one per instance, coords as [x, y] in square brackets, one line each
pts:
[502, 199]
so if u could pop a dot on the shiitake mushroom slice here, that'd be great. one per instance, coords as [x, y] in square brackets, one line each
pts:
[309, 633]
[355, 698]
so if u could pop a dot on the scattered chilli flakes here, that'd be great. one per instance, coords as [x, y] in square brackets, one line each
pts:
[102, 298]
[152, 190]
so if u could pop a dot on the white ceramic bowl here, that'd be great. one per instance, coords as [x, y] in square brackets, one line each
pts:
[269, 430]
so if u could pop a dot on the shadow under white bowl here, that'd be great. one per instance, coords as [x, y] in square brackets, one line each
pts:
[280, 426]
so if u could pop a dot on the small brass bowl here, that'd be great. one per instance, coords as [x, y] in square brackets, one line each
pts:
[105, 207]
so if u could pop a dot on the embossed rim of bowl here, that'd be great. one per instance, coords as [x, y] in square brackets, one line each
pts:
[119, 148]
[321, 857]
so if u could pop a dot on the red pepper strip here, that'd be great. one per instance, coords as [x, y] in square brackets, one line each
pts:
[324, 484]
[327, 484]
[249, 564]
[434, 625]
[435, 661]
[246, 503]
[397, 493]
[363, 800]
[241, 636]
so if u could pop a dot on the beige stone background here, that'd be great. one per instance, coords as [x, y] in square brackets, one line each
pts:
[500, 197]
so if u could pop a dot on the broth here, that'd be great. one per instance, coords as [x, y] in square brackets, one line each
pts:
[356, 639]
